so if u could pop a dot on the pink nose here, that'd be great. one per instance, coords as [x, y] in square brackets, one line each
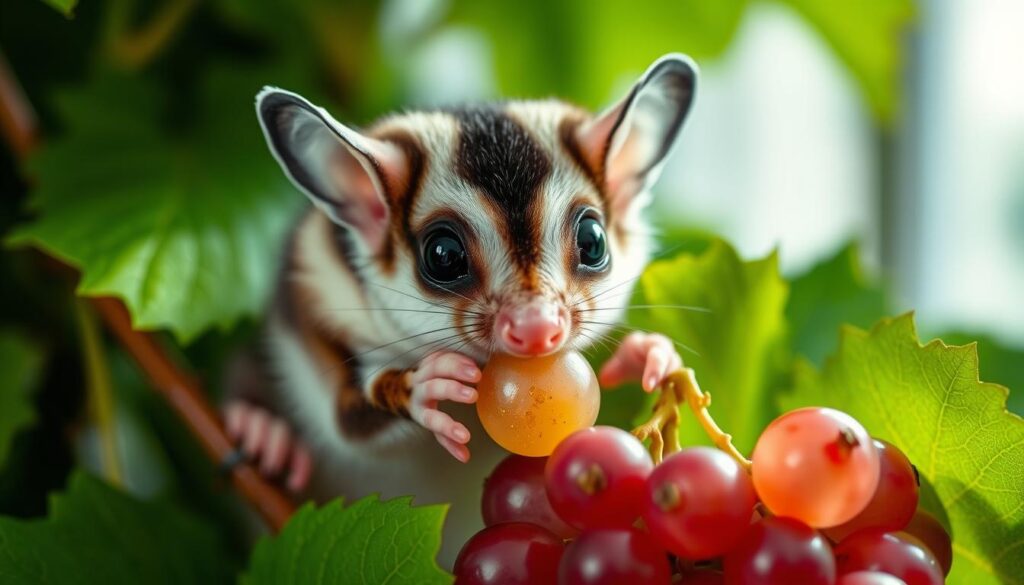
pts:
[531, 329]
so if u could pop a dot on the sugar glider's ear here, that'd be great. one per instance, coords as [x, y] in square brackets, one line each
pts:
[626, 144]
[344, 173]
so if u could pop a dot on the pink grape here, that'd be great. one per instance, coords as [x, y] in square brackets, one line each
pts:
[817, 465]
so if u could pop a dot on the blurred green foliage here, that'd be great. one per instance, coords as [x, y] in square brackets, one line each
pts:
[830, 294]
[19, 371]
[98, 534]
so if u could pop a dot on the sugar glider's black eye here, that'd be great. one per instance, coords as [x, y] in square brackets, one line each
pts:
[592, 243]
[444, 256]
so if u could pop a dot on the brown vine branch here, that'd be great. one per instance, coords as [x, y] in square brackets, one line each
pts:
[681, 388]
[181, 390]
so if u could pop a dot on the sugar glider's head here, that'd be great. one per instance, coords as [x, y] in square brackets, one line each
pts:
[512, 227]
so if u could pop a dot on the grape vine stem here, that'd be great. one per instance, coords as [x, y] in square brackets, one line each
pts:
[662, 428]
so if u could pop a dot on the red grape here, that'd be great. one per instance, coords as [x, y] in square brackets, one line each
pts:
[895, 500]
[780, 550]
[929, 531]
[699, 503]
[817, 465]
[611, 556]
[596, 478]
[869, 578]
[901, 556]
[514, 492]
[702, 577]
[510, 554]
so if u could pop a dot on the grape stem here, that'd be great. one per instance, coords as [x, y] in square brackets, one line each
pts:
[680, 387]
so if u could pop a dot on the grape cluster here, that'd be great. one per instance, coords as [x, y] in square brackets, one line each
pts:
[821, 503]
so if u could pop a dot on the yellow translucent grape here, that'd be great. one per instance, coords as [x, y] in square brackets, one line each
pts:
[528, 405]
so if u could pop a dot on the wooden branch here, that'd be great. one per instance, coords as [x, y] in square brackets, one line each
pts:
[17, 119]
[182, 390]
[183, 394]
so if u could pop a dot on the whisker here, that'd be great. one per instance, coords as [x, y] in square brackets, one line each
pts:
[594, 340]
[631, 307]
[660, 254]
[605, 335]
[426, 312]
[430, 345]
[423, 300]
[390, 343]
[607, 290]
[628, 328]
[446, 289]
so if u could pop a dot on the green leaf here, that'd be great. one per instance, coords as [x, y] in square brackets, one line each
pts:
[739, 339]
[65, 7]
[999, 362]
[929, 402]
[97, 534]
[370, 542]
[19, 368]
[868, 38]
[830, 294]
[182, 219]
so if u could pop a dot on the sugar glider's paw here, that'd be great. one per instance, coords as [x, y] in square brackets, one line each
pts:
[443, 376]
[647, 357]
[270, 443]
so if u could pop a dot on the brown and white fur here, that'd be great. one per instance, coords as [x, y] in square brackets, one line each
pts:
[371, 356]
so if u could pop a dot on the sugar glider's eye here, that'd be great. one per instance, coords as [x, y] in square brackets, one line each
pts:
[444, 256]
[592, 243]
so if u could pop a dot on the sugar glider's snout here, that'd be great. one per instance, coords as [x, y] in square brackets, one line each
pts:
[534, 327]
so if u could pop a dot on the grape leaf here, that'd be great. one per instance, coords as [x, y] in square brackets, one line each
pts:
[369, 542]
[928, 401]
[184, 223]
[65, 7]
[868, 38]
[828, 295]
[739, 336]
[19, 366]
[999, 361]
[97, 534]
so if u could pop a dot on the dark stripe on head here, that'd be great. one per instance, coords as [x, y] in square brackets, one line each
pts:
[498, 156]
